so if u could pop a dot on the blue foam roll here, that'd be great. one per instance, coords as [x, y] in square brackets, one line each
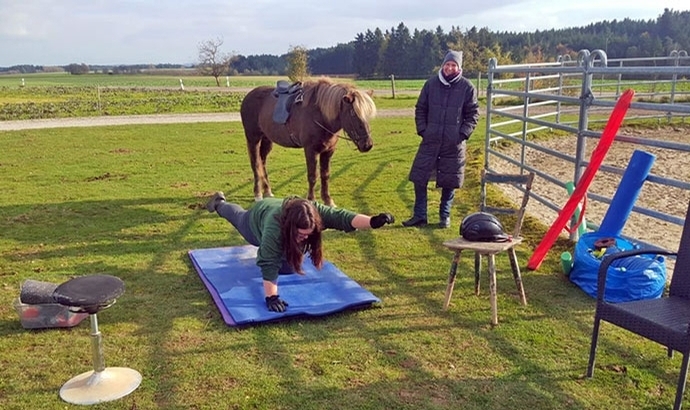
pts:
[628, 190]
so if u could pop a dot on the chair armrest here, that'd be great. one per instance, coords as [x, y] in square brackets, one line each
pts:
[608, 259]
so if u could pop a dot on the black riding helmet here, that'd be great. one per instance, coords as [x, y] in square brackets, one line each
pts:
[482, 227]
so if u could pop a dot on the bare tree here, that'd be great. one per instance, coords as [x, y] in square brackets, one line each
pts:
[297, 64]
[212, 61]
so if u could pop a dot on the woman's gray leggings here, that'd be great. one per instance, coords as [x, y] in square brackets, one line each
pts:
[239, 218]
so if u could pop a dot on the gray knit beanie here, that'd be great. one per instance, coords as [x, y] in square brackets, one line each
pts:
[453, 56]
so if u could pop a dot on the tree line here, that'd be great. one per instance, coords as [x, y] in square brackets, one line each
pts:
[416, 54]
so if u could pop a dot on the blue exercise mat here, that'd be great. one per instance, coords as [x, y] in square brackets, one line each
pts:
[235, 283]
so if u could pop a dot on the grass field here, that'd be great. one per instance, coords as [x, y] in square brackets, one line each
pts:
[146, 80]
[127, 80]
[127, 201]
[60, 95]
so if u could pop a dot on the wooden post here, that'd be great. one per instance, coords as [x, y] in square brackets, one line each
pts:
[393, 85]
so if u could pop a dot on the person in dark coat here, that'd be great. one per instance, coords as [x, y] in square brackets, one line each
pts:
[446, 114]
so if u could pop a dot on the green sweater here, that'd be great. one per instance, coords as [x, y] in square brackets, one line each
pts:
[263, 221]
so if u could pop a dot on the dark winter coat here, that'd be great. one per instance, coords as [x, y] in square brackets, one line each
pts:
[445, 116]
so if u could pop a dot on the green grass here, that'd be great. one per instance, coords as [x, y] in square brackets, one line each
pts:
[63, 95]
[127, 201]
[60, 95]
[129, 80]
[62, 102]
[189, 80]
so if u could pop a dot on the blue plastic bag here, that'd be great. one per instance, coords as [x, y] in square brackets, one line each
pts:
[632, 278]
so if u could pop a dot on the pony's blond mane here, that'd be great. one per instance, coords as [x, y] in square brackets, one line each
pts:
[328, 96]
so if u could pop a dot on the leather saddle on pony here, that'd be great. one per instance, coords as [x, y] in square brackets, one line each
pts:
[287, 95]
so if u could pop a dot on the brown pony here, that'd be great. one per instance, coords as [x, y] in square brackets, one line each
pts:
[313, 124]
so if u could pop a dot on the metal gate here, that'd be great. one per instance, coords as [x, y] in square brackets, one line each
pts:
[532, 106]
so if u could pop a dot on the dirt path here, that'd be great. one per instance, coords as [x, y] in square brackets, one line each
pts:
[116, 120]
[147, 119]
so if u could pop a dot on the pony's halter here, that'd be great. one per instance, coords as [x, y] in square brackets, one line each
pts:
[346, 137]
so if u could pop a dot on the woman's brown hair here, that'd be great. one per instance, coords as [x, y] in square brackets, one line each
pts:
[298, 214]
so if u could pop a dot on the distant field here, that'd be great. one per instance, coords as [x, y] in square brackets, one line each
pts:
[127, 80]
[61, 95]
[146, 80]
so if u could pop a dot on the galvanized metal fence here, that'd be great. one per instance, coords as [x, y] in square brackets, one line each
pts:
[542, 117]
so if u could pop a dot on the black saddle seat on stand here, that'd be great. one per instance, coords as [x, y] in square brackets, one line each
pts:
[89, 294]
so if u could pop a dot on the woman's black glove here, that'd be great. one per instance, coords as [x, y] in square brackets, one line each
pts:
[381, 219]
[276, 304]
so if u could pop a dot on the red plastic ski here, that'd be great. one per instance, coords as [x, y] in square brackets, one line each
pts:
[610, 131]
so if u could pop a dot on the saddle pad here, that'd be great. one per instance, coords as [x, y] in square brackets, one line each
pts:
[236, 286]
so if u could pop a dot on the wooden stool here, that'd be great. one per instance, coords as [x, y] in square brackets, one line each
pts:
[91, 294]
[491, 249]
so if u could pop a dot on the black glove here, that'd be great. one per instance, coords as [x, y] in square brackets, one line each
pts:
[276, 304]
[381, 219]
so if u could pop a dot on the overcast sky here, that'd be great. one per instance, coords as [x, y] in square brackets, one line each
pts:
[101, 32]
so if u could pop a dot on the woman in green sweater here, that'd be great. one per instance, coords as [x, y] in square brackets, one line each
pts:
[286, 229]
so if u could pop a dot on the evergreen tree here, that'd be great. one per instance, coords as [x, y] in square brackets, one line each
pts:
[332, 61]
[426, 52]
[396, 59]
[367, 48]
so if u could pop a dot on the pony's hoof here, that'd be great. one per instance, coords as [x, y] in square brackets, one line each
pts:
[258, 198]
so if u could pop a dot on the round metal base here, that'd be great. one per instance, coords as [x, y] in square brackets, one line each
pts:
[95, 387]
